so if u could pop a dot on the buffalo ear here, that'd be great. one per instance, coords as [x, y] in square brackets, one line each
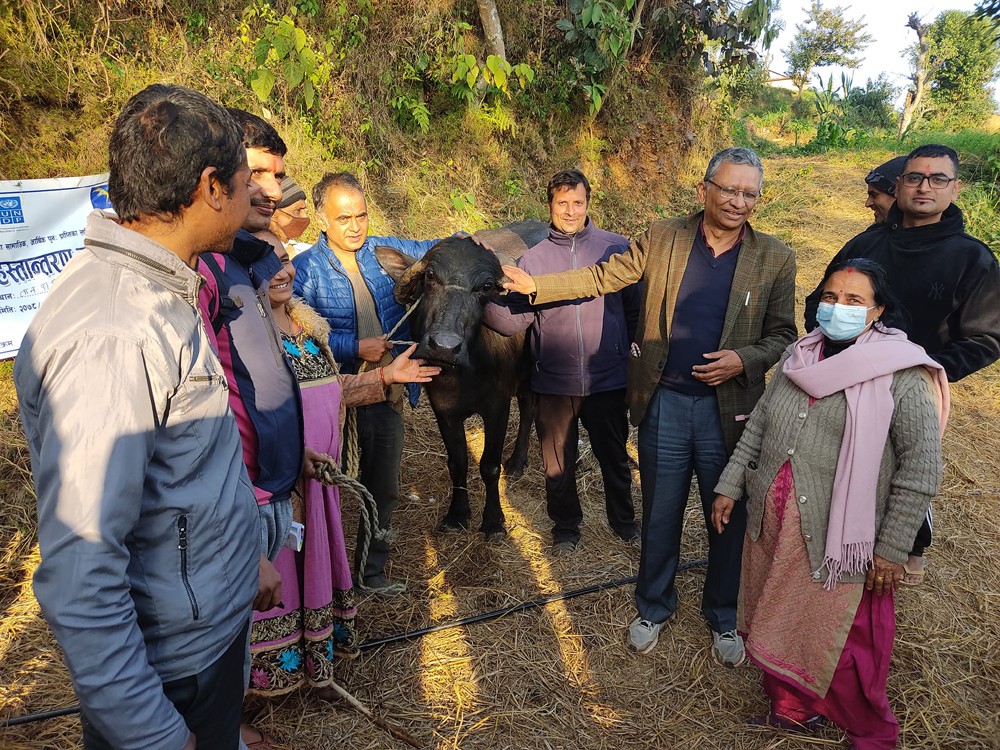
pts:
[393, 261]
[407, 271]
[410, 286]
[506, 260]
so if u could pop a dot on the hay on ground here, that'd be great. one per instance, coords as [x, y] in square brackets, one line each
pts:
[560, 677]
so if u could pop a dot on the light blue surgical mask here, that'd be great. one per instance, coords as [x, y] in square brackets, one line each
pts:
[842, 322]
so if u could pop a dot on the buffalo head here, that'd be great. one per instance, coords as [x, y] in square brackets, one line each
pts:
[453, 282]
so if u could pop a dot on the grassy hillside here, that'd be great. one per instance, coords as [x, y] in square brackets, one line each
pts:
[432, 154]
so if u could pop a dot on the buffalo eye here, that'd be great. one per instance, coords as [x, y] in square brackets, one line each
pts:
[488, 288]
[429, 274]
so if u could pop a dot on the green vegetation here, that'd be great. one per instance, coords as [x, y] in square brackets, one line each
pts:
[828, 37]
[409, 95]
[445, 133]
[964, 58]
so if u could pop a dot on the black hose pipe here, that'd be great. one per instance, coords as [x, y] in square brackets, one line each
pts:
[484, 617]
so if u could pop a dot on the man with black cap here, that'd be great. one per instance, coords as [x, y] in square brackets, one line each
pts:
[947, 281]
[881, 183]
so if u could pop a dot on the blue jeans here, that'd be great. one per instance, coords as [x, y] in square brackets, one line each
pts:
[679, 435]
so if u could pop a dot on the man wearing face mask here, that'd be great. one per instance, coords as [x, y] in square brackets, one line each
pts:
[947, 281]
[290, 217]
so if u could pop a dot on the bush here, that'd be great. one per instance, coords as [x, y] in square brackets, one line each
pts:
[870, 107]
[980, 204]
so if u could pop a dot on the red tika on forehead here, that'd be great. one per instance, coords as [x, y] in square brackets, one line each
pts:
[849, 270]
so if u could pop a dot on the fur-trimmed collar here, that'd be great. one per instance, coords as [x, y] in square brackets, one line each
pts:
[314, 325]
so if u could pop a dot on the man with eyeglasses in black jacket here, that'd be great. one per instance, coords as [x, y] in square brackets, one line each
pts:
[947, 280]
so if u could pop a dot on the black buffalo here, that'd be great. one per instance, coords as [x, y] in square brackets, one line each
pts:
[482, 370]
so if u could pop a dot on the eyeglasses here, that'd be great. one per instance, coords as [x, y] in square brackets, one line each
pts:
[729, 193]
[299, 213]
[936, 181]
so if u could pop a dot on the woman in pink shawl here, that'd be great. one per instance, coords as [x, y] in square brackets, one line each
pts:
[296, 643]
[837, 466]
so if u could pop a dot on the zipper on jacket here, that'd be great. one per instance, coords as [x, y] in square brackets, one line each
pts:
[579, 326]
[213, 378]
[182, 545]
[132, 255]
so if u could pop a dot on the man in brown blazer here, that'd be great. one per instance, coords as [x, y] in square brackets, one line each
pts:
[717, 311]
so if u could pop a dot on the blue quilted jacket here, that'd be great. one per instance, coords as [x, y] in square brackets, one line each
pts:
[321, 281]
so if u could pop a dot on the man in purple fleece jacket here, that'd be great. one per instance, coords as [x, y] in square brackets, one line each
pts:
[579, 354]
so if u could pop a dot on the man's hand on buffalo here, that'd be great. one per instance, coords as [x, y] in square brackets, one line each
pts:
[518, 281]
[372, 348]
[405, 370]
[478, 240]
[727, 365]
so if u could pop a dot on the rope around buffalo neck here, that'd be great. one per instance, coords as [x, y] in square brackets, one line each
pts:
[366, 364]
[353, 456]
[328, 473]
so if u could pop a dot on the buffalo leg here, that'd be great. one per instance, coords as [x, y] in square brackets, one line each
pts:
[453, 434]
[495, 429]
[514, 466]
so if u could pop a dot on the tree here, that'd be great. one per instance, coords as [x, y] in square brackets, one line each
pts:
[828, 37]
[870, 106]
[492, 28]
[965, 57]
[989, 9]
[920, 77]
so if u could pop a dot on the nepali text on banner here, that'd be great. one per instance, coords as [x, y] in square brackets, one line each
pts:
[41, 228]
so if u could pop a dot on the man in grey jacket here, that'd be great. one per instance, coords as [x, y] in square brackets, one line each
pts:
[147, 522]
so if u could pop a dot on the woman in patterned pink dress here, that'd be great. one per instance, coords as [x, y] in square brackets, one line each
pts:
[296, 643]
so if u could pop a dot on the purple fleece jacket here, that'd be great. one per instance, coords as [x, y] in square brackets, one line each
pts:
[579, 347]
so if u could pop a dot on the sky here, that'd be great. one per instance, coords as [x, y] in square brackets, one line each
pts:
[886, 21]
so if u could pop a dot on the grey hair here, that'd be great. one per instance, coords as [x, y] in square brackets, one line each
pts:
[343, 180]
[735, 155]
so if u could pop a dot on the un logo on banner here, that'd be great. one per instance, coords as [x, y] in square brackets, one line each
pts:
[99, 197]
[10, 210]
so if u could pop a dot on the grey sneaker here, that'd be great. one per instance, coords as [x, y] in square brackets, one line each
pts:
[562, 549]
[643, 635]
[728, 649]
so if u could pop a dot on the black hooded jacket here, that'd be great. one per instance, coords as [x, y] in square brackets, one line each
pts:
[947, 281]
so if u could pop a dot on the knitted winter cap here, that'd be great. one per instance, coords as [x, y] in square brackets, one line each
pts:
[290, 192]
[883, 177]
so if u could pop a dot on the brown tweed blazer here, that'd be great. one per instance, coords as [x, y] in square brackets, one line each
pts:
[758, 327]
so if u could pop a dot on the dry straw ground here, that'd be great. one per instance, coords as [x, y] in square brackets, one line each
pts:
[559, 677]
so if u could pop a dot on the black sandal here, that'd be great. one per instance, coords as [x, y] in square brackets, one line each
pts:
[771, 719]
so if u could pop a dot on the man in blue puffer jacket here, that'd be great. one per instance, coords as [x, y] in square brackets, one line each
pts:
[579, 356]
[341, 279]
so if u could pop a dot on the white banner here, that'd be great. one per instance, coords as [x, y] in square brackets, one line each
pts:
[41, 228]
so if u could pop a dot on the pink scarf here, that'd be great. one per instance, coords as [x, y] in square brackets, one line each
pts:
[863, 372]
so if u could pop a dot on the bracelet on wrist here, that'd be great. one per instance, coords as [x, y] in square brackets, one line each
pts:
[381, 375]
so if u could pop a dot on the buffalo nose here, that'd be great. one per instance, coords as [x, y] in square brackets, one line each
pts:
[445, 342]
